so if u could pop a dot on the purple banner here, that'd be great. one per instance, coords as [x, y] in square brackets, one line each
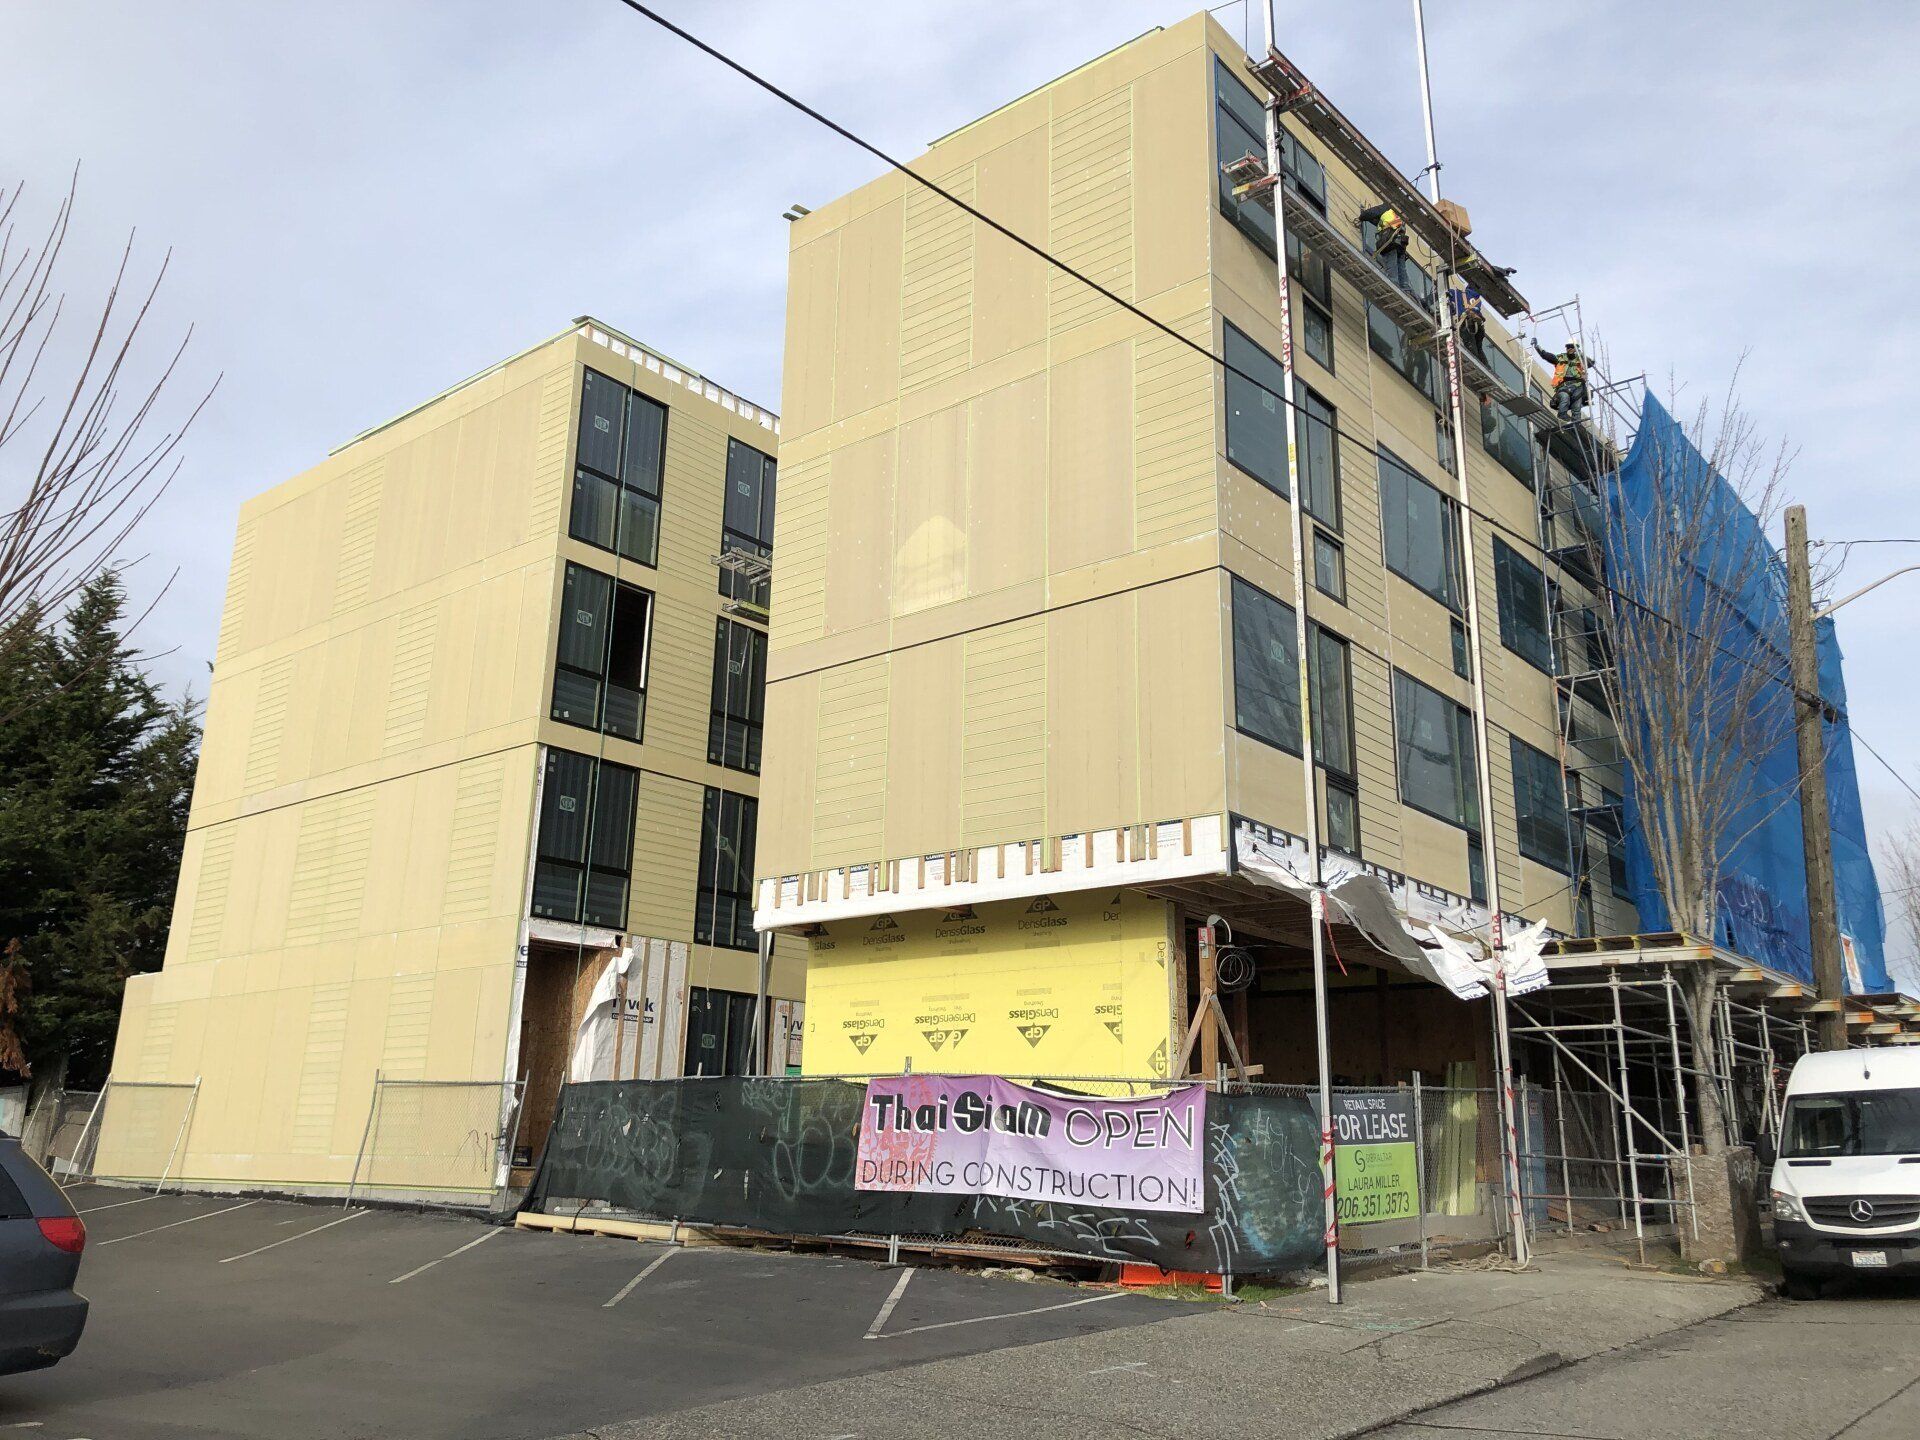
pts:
[981, 1135]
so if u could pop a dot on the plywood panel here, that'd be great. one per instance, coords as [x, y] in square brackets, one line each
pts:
[1090, 459]
[930, 512]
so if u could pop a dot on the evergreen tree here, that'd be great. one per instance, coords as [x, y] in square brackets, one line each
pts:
[96, 770]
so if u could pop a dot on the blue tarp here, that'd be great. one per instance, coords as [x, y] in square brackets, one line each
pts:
[1762, 893]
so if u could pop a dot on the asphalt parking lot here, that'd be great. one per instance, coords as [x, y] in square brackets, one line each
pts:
[224, 1316]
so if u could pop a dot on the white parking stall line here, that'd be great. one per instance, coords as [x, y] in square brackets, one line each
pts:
[873, 1330]
[422, 1269]
[350, 1215]
[982, 1319]
[627, 1289]
[116, 1204]
[204, 1215]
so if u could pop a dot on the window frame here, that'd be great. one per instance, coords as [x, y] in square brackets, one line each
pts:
[1452, 560]
[1396, 355]
[736, 1009]
[724, 712]
[1523, 814]
[587, 863]
[627, 492]
[1318, 636]
[601, 678]
[707, 891]
[1305, 398]
[1509, 568]
[1231, 338]
[1461, 738]
[757, 542]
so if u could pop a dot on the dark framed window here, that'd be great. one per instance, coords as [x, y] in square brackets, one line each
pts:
[1256, 415]
[600, 668]
[1525, 623]
[1315, 311]
[618, 458]
[1414, 362]
[1617, 846]
[746, 523]
[719, 1032]
[1266, 679]
[1240, 128]
[1540, 806]
[1434, 737]
[1343, 816]
[1476, 870]
[739, 695]
[1420, 530]
[1317, 428]
[1329, 565]
[724, 915]
[584, 846]
[1462, 649]
[1503, 433]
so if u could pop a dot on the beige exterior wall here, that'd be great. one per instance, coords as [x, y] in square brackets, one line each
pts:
[1009, 526]
[354, 885]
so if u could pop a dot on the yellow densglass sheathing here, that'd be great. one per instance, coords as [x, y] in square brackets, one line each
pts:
[1069, 984]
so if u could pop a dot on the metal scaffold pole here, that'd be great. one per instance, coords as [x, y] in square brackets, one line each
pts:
[1304, 670]
[1456, 402]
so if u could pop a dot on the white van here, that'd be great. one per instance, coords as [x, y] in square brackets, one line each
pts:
[1846, 1181]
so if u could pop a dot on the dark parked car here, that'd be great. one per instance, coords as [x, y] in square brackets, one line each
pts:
[40, 1241]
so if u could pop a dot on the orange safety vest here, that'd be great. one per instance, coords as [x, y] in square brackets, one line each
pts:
[1390, 220]
[1574, 370]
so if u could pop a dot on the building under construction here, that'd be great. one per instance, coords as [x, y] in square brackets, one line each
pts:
[1121, 592]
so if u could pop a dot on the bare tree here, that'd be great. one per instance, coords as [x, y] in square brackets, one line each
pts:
[1900, 878]
[1707, 692]
[84, 453]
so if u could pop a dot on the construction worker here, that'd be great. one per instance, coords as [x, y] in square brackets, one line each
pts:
[1569, 381]
[1469, 317]
[1390, 230]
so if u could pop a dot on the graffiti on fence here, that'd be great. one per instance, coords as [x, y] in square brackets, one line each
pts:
[779, 1155]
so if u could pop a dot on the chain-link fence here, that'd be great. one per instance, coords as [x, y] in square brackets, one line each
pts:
[54, 1125]
[136, 1133]
[443, 1142]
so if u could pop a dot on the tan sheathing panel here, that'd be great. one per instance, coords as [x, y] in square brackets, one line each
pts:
[552, 483]
[1010, 282]
[1004, 734]
[313, 1111]
[850, 799]
[930, 512]
[1089, 449]
[1006, 486]
[800, 540]
[806, 386]
[860, 526]
[867, 314]
[1090, 219]
[330, 867]
[936, 295]
[1093, 735]
[403, 1051]
[689, 504]
[361, 527]
[1181, 698]
[212, 885]
[233, 611]
[1175, 479]
[665, 867]
[784, 843]
[924, 740]
[412, 676]
[680, 677]
[1375, 758]
[269, 724]
[474, 844]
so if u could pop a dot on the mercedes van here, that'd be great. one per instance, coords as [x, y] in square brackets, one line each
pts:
[1846, 1180]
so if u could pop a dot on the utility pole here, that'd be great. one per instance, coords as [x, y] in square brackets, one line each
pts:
[1816, 835]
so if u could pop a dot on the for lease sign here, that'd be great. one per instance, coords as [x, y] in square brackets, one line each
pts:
[981, 1135]
[1376, 1174]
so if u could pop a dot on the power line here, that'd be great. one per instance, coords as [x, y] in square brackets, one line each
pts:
[1494, 522]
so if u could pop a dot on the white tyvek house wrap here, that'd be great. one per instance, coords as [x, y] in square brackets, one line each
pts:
[1359, 899]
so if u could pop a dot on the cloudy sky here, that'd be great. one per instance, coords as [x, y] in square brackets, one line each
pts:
[369, 199]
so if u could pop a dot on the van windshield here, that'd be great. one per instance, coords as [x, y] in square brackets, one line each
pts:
[1865, 1122]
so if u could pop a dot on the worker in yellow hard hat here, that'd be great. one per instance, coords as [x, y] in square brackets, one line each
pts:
[1390, 230]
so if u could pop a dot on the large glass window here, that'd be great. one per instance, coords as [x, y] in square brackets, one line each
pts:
[584, 857]
[600, 671]
[617, 464]
[725, 904]
[719, 1032]
[1256, 416]
[1420, 530]
[1503, 433]
[1858, 1122]
[1415, 362]
[1266, 679]
[1318, 429]
[739, 695]
[1435, 739]
[1540, 806]
[747, 519]
[1240, 128]
[1525, 627]
[1315, 289]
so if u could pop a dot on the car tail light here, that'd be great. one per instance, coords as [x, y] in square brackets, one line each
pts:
[68, 1232]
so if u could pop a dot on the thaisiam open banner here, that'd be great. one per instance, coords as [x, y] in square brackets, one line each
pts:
[981, 1135]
